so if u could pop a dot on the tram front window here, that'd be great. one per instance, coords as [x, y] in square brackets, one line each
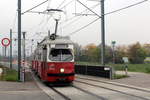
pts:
[60, 55]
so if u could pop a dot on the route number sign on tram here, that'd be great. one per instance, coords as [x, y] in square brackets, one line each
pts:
[5, 42]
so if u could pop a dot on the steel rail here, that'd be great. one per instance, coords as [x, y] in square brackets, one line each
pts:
[90, 93]
[61, 94]
[121, 85]
[132, 95]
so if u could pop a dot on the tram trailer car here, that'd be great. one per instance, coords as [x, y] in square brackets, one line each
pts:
[53, 60]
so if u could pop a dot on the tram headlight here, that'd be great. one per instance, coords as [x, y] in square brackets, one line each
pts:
[62, 70]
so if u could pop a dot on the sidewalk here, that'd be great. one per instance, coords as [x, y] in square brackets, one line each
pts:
[21, 91]
[136, 79]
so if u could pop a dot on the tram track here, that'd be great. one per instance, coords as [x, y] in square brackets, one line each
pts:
[61, 94]
[50, 89]
[90, 93]
[78, 92]
[118, 91]
[121, 85]
[59, 91]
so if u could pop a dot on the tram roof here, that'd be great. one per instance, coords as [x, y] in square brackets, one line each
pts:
[58, 40]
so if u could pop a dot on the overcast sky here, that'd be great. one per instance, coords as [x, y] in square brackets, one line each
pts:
[125, 27]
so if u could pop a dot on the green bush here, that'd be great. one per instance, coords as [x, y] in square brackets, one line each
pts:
[119, 76]
[148, 70]
[9, 74]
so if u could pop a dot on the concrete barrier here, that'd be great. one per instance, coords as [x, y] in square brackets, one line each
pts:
[101, 71]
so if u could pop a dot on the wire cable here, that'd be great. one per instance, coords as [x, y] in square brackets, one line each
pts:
[57, 8]
[126, 7]
[79, 16]
[61, 7]
[42, 21]
[72, 33]
[49, 4]
[34, 7]
[61, 3]
[88, 8]
[66, 4]
[14, 21]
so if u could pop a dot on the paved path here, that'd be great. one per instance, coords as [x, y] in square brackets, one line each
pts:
[21, 91]
[135, 79]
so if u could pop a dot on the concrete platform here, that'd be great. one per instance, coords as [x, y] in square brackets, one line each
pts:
[21, 91]
[136, 79]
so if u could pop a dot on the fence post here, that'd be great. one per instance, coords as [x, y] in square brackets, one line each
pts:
[86, 70]
[111, 71]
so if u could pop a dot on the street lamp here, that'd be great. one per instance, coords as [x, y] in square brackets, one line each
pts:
[113, 50]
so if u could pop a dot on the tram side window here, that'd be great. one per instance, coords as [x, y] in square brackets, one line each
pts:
[61, 55]
[44, 53]
[39, 56]
[34, 57]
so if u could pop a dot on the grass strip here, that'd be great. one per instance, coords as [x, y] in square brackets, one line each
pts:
[119, 76]
[8, 74]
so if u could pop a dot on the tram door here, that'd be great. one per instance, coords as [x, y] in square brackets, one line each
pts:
[44, 58]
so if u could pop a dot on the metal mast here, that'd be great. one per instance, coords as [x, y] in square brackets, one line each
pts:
[10, 48]
[19, 38]
[24, 58]
[102, 33]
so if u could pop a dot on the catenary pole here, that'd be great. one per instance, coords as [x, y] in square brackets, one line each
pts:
[5, 51]
[102, 33]
[10, 48]
[19, 39]
[32, 45]
[24, 56]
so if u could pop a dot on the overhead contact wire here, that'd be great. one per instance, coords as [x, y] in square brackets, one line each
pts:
[108, 14]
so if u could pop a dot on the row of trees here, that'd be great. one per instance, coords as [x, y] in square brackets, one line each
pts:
[136, 53]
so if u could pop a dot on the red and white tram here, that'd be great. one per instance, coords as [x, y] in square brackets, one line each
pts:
[53, 60]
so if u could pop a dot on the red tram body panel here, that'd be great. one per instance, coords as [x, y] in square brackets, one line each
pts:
[53, 60]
